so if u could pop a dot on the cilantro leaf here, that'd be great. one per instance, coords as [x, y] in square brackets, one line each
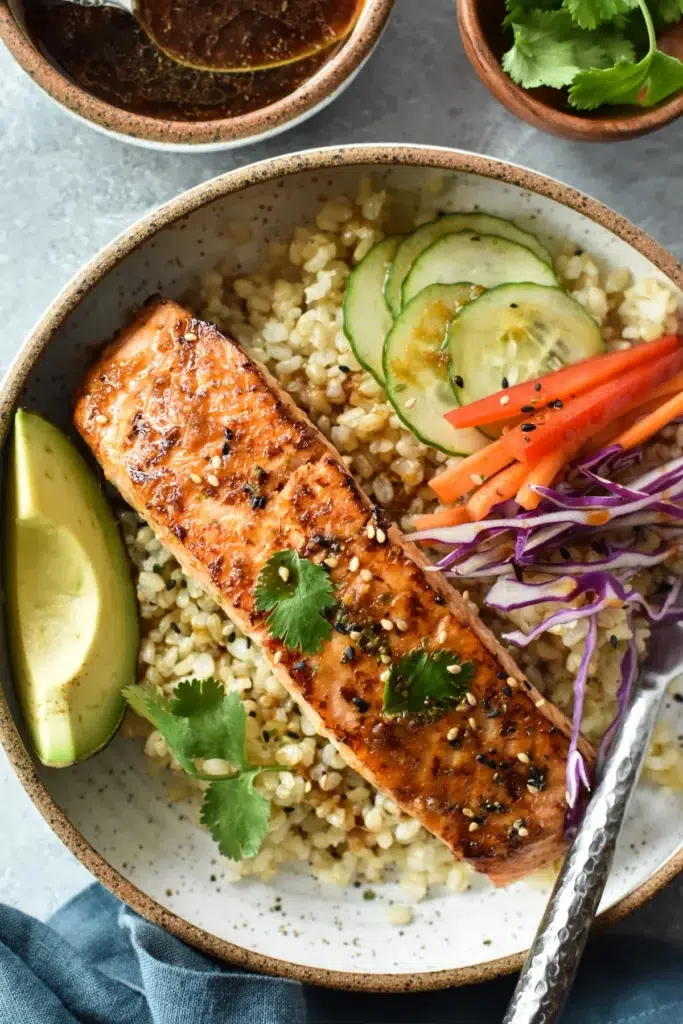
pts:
[666, 11]
[421, 684]
[591, 13]
[201, 720]
[296, 602]
[236, 815]
[550, 49]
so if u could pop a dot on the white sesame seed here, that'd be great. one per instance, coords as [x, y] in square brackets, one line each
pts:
[472, 722]
[212, 479]
[539, 703]
[384, 675]
[511, 681]
[468, 812]
[331, 562]
[216, 462]
[533, 789]
[452, 733]
[524, 758]
[283, 573]
[354, 635]
[190, 336]
[504, 399]
[101, 419]
[522, 831]
[463, 706]
[410, 403]
[473, 826]
[386, 624]
[477, 479]
[370, 532]
[354, 564]
[381, 536]
[277, 657]
[471, 700]
[365, 575]
[195, 478]
[308, 786]
[385, 659]
[401, 625]
[465, 595]
[454, 670]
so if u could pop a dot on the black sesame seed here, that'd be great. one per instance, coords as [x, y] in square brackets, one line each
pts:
[459, 382]
[502, 675]
[439, 599]
[565, 554]
[537, 387]
[504, 383]
[228, 434]
[664, 588]
[528, 427]
[507, 690]
[170, 584]
[513, 305]
[557, 404]
[299, 665]
[344, 369]
[266, 736]
[527, 408]
[247, 640]
[348, 655]
[232, 638]
[175, 627]
[678, 697]
[494, 713]
[259, 501]
[321, 540]
[252, 714]
[361, 704]
[226, 448]
[613, 640]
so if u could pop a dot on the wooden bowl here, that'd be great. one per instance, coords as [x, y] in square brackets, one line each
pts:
[480, 24]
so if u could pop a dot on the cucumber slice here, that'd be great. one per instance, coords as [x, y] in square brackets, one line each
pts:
[416, 368]
[367, 319]
[424, 236]
[516, 332]
[486, 260]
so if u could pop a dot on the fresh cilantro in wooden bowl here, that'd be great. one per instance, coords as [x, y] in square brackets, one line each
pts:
[586, 69]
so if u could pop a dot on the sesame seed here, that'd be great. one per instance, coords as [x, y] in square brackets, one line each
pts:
[459, 382]
[190, 336]
[465, 595]
[384, 675]
[533, 789]
[471, 700]
[524, 758]
[381, 536]
[452, 733]
[539, 703]
[365, 575]
[386, 624]
[522, 831]
[401, 625]
[477, 479]
[505, 399]
[277, 657]
[212, 479]
[463, 706]
[101, 419]
[331, 562]
[370, 532]
[473, 826]
[216, 462]
[472, 722]
[527, 427]
[454, 670]
[195, 478]
[468, 812]
[511, 681]
[354, 564]
[385, 659]
[354, 635]
[410, 403]
[283, 573]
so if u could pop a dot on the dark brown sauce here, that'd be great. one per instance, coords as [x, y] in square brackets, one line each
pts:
[238, 35]
[108, 54]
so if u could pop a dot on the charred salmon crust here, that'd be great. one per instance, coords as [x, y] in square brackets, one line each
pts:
[191, 430]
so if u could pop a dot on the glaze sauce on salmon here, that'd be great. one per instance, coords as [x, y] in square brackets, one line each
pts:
[191, 431]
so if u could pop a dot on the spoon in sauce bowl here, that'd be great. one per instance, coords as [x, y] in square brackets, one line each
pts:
[239, 35]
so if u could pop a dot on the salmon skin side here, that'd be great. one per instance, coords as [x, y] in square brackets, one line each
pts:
[192, 431]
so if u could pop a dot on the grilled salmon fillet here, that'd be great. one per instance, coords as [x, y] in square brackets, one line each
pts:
[207, 447]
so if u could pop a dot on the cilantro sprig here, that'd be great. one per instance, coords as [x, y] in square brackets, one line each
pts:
[604, 50]
[202, 721]
[295, 592]
[421, 683]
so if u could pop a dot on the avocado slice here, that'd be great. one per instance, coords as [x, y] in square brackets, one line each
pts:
[71, 605]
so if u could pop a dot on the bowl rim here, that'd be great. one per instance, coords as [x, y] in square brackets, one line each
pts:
[199, 136]
[526, 106]
[10, 389]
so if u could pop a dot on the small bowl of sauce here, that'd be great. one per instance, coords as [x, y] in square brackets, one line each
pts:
[198, 74]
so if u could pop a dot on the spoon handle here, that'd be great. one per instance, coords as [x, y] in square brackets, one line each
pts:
[560, 940]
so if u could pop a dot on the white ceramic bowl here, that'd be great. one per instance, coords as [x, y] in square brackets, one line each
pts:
[109, 811]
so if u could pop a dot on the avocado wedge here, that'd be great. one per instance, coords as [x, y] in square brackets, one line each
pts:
[71, 607]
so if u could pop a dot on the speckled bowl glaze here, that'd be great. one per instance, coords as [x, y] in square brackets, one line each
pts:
[109, 811]
[202, 136]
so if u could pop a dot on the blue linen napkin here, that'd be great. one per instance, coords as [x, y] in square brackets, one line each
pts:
[96, 962]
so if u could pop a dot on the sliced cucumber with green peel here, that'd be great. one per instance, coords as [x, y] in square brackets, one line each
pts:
[516, 332]
[420, 239]
[486, 260]
[367, 319]
[416, 368]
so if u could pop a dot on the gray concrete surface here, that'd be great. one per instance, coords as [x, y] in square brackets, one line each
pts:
[65, 191]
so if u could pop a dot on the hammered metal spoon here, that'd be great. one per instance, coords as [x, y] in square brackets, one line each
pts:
[555, 953]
